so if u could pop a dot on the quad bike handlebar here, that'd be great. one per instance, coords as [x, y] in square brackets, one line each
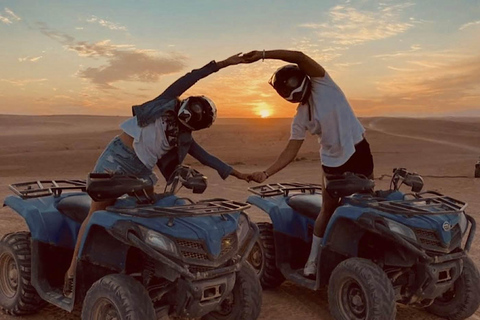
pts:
[105, 186]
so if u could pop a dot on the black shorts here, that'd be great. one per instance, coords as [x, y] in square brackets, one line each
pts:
[361, 162]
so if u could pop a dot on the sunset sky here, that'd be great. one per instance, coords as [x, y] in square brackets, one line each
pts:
[391, 58]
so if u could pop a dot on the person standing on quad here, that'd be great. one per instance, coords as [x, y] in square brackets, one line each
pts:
[322, 110]
[160, 133]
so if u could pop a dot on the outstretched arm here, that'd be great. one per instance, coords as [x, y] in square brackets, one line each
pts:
[223, 169]
[304, 62]
[288, 155]
[184, 83]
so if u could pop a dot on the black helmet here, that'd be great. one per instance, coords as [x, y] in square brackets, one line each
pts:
[291, 83]
[197, 112]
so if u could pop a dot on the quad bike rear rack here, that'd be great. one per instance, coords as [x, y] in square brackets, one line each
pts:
[44, 188]
[275, 189]
[202, 208]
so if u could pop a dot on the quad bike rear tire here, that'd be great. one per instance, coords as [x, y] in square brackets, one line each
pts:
[245, 300]
[17, 295]
[463, 299]
[117, 296]
[359, 289]
[262, 258]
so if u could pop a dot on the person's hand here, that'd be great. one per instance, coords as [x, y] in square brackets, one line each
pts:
[252, 56]
[235, 59]
[258, 176]
[242, 176]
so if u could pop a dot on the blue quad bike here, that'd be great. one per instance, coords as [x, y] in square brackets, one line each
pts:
[379, 248]
[149, 256]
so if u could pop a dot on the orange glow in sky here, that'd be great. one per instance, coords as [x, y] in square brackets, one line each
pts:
[390, 58]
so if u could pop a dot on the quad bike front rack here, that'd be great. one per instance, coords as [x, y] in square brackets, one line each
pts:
[194, 209]
[44, 188]
[275, 189]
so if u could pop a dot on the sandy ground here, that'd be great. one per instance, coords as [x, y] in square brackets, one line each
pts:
[444, 151]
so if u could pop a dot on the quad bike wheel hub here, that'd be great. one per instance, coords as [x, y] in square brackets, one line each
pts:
[353, 300]
[255, 257]
[105, 309]
[9, 275]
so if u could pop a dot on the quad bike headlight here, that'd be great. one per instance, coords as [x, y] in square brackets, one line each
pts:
[463, 222]
[243, 228]
[401, 229]
[160, 242]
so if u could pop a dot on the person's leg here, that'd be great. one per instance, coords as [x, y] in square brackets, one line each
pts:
[329, 204]
[70, 274]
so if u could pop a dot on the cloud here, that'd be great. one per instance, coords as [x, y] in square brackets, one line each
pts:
[22, 82]
[455, 86]
[10, 17]
[107, 24]
[123, 62]
[470, 24]
[30, 59]
[349, 26]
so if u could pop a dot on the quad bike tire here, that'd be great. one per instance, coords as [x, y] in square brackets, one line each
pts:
[359, 289]
[464, 299]
[117, 296]
[245, 300]
[262, 258]
[17, 295]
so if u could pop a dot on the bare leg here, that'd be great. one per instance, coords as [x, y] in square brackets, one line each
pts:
[95, 206]
[329, 204]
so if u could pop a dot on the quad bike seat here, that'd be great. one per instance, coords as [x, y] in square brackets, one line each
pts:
[308, 205]
[75, 207]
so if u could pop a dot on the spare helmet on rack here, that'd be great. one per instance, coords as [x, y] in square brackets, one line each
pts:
[197, 112]
[291, 83]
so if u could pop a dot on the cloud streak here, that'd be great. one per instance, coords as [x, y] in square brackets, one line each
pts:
[469, 24]
[123, 62]
[22, 82]
[10, 17]
[349, 26]
[106, 24]
[30, 59]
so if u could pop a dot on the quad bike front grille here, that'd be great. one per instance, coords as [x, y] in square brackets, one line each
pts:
[190, 244]
[431, 241]
[194, 255]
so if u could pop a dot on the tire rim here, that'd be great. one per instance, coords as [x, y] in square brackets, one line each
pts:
[256, 257]
[226, 307]
[104, 309]
[353, 302]
[8, 275]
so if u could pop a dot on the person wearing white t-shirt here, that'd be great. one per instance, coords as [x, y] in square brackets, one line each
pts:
[322, 110]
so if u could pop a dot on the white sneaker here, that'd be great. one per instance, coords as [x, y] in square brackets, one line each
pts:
[310, 268]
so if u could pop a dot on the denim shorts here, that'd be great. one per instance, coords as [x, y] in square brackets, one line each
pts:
[120, 159]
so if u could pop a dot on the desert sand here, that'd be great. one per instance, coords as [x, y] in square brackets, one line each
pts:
[444, 151]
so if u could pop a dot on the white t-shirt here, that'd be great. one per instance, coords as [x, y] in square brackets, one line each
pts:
[333, 120]
[150, 142]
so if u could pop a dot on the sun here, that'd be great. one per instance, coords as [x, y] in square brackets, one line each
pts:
[264, 113]
[263, 109]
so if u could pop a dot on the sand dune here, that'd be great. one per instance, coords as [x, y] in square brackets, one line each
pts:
[443, 150]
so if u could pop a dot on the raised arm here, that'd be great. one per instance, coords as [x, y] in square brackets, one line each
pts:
[185, 82]
[304, 62]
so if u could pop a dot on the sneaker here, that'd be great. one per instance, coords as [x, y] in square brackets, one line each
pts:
[310, 269]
